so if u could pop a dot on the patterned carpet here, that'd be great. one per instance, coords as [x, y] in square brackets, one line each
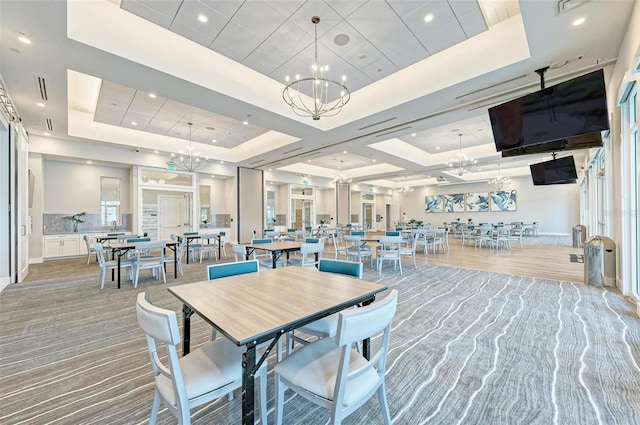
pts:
[467, 347]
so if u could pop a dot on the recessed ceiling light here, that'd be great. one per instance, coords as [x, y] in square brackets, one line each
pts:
[578, 21]
[308, 160]
[47, 134]
[212, 176]
[269, 169]
[134, 123]
[245, 122]
[156, 152]
[428, 17]
[214, 141]
[374, 160]
[202, 18]
[221, 162]
[24, 39]
[437, 147]
[413, 134]
[152, 95]
[89, 162]
[40, 104]
[344, 152]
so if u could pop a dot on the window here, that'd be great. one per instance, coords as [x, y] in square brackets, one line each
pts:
[109, 201]
[630, 202]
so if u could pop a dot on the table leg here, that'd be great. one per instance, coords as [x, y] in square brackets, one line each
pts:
[113, 254]
[248, 381]
[175, 261]
[187, 250]
[366, 343]
[119, 257]
[186, 322]
[274, 260]
[219, 247]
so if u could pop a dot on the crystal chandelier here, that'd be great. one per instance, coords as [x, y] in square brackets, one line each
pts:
[499, 182]
[461, 163]
[315, 96]
[188, 160]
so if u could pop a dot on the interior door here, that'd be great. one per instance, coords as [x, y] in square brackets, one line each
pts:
[171, 216]
[368, 212]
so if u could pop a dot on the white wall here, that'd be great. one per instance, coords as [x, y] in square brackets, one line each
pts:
[70, 188]
[5, 226]
[556, 207]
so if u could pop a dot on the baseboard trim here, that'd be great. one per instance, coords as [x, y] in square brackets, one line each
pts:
[37, 260]
[5, 280]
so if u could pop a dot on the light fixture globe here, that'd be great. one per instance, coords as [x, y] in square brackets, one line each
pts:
[317, 95]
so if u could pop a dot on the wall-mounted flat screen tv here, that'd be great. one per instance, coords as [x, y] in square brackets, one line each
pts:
[572, 108]
[584, 141]
[556, 171]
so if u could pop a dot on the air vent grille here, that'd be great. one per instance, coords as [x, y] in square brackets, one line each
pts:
[292, 150]
[563, 6]
[377, 123]
[49, 124]
[393, 131]
[42, 86]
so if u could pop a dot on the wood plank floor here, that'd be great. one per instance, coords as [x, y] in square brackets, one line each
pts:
[540, 261]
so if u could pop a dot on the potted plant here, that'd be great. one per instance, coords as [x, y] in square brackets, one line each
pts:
[75, 220]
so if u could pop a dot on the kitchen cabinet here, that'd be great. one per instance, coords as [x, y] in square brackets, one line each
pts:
[63, 246]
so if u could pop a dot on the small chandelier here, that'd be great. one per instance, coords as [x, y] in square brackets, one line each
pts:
[188, 160]
[342, 178]
[461, 163]
[405, 190]
[499, 182]
[319, 87]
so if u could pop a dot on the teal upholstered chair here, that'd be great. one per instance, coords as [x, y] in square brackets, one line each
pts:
[327, 326]
[350, 268]
[216, 271]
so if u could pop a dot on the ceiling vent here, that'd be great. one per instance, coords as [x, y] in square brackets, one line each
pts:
[377, 123]
[292, 150]
[49, 124]
[42, 86]
[563, 6]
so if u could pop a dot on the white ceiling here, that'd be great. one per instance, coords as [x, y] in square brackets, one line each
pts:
[415, 85]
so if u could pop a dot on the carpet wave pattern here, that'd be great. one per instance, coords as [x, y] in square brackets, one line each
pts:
[467, 347]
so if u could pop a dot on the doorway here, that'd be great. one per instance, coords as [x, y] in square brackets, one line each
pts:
[171, 216]
[368, 214]
[302, 213]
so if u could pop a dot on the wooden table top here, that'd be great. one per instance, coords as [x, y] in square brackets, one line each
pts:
[256, 306]
[123, 245]
[277, 246]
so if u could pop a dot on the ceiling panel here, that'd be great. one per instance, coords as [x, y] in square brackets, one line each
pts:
[260, 17]
[226, 8]
[235, 42]
[149, 12]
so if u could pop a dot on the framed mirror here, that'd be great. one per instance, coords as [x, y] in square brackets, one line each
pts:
[110, 201]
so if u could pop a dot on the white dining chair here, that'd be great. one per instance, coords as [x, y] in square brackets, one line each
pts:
[105, 265]
[389, 251]
[154, 262]
[331, 374]
[204, 375]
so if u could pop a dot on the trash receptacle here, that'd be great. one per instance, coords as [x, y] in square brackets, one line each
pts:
[579, 235]
[600, 261]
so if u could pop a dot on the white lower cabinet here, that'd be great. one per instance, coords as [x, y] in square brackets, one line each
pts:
[62, 246]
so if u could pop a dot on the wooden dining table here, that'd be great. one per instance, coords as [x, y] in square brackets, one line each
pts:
[276, 249]
[252, 308]
[207, 236]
